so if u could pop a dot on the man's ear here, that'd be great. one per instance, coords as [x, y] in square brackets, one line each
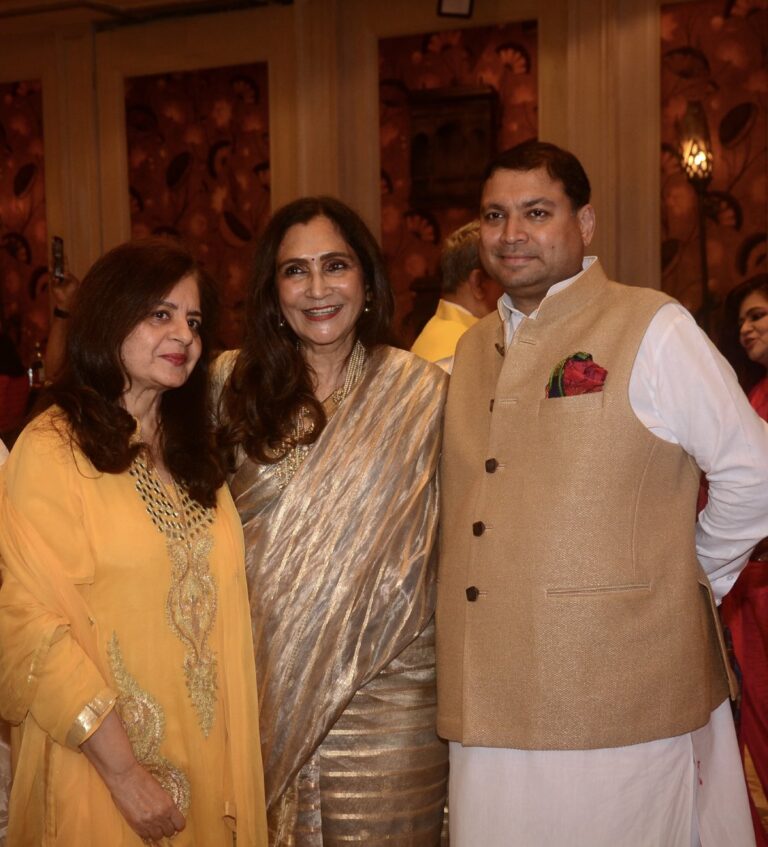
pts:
[476, 283]
[586, 218]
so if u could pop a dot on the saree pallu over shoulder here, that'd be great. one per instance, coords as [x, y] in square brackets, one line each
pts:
[339, 562]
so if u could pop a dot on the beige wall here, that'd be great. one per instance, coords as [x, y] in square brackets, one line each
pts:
[598, 95]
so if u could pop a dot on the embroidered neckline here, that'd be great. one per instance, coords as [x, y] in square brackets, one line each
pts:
[192, 599]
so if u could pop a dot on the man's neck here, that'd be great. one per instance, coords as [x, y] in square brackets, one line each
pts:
[462, 296]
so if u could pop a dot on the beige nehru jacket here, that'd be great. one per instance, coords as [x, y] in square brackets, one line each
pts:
[572, 612]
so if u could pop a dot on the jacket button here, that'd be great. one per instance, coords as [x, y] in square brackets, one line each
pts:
[478, 528]
[472, 593]
[491, 465]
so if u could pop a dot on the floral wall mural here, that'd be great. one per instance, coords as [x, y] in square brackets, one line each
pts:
[23, 236]
[478, 89]
[198, 148]
[713, 54]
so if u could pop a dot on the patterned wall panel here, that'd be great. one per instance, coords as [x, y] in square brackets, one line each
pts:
[23, 236]
[495, 62]
[713, 53]
[198, 148]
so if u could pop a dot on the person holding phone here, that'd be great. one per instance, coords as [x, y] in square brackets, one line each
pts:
[62, 291]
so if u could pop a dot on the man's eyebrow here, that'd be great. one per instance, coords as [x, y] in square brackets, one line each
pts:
[525, 204]
[537, 201]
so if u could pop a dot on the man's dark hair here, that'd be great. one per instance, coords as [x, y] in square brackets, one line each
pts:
[560, 165]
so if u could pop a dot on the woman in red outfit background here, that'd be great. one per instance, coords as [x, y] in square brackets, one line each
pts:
[745, 608]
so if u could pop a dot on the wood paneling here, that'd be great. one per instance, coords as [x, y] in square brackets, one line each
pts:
[598, 95]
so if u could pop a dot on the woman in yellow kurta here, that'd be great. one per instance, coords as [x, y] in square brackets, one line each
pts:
[126, 660]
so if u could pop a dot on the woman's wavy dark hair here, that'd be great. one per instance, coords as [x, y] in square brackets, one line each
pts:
[118, 292]
[271, 382]
[749, 372]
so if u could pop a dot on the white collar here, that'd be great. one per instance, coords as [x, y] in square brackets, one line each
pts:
[509, 312]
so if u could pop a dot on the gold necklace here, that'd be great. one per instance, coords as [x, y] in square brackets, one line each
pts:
[295, 455]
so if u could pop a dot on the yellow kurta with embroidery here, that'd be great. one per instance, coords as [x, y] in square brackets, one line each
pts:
[109, 598]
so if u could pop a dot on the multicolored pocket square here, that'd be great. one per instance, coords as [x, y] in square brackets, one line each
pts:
[577, 374]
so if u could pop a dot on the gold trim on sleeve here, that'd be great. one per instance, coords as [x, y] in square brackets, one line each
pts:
[90, 717]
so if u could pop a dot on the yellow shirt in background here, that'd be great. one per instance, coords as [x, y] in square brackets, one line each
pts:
[438, 339]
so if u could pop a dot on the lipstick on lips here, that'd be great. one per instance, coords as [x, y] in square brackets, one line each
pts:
[321, 313]
[177, 359]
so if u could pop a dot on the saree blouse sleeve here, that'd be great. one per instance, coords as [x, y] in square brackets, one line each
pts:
[49, 664]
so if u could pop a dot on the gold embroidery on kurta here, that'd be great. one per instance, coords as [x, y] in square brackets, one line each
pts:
[144, 722]
[192, 600]
[191, 609]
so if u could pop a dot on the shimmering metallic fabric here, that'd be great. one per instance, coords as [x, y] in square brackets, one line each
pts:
[342, 581]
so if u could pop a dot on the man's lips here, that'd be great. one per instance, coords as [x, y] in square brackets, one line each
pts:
[321, 313]
[514, 258]
[177, 359]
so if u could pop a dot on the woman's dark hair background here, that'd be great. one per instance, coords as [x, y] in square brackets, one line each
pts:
[271, 381]
[748, 372]
[118, 292]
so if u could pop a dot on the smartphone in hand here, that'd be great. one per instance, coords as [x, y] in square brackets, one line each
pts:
[57, 258]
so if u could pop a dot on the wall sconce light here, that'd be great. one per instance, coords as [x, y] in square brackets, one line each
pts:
[455, 8]
[695, 147]
[697, 163]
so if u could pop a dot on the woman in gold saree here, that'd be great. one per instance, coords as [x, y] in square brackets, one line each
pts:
[126, 661]
[336, 437]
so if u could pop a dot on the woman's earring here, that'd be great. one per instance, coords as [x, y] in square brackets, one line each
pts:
[368, 300]
[281, 322]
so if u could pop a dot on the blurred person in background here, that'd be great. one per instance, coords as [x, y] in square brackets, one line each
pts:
[63, 292]
[467, 294]
[744, 610]
[14, 386]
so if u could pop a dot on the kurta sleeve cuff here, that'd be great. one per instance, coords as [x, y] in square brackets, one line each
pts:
[69, 684]
[90, 718]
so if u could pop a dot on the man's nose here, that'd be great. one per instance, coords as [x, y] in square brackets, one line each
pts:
[514, 230]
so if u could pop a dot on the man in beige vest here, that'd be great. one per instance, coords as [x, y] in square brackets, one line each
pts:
[467, 294]
[582, 682]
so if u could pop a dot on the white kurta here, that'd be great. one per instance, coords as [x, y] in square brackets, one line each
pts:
[678, 792]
